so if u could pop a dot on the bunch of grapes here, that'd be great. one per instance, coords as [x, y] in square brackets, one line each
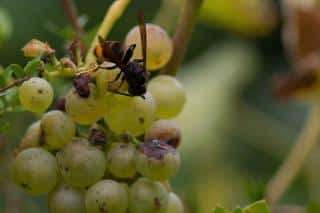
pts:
[127, 153]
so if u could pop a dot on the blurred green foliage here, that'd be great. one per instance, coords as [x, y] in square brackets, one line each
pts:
[235, 134]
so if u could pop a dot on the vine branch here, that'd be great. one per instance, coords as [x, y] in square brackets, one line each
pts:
[114, 12]
[291, 166]
[182, 35]
[70, 10]
[14, 84]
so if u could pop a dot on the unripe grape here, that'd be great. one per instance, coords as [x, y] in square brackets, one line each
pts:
[31, 138]
[36, 48]
[157, 160]
[169, 95]
[85, 110]
[148, 197]
[164, 130]
[35, 170]
[106, 196]
[36, 94]
[174, 204]
[57, 128]
[120, 160]
[104, 80]
[130, 114]
[81, 164]
[159, 45]
[66, 199]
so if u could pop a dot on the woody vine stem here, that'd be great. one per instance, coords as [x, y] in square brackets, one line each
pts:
[292, 165]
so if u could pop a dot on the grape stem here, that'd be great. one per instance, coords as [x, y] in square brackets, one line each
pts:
[289, 169]
[114, 12]
[14, 83]
[182, 35]
[70, 10]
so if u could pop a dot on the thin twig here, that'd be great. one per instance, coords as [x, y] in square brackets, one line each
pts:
[14, 84]
[70, 10]
[181, 38]
[297, 156]
[114, 12]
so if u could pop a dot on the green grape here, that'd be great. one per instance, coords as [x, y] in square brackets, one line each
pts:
[120, 160]
[66, 199]
[36, 94]
[174, 204]
[35, 170]
[85, 110]
[104, 78]
[35, 48]
[31, 138]
[81, 164]
[57, 129]
[130, 114]
[169, 95]
[148, 197]
[164, 130]
[159, 45]
[106, 196]
[157, 160]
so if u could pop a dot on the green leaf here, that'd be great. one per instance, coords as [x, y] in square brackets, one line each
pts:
[33, 66]
[4, 126]
[237, 210]
[313, 207]
[219, 209]
[15, 69]
[257, 207]
[3, 79]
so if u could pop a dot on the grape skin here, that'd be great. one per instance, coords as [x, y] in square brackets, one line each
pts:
[81, 164]
[31, 138]
[57, 128]
[120, 160]
[66, 199]
[35, 170]
[169, 95]
[130, 114]
[85, 111]
[36, 94]
[159, 45]
[167, 131]
[174, 204]
[148, 197]
[106, 196]
[156, 164]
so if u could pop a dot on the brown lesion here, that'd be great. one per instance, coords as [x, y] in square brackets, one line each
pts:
[156, 149]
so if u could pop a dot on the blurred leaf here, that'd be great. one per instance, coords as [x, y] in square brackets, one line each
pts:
[237, 210]
[4, 125]
[2, 77]
[12, 97]
[247, 17]
[257, 207]
[313, 208]
[219, 209]
[5, 26]
[255, 189]
[32, 66]
[14, 69]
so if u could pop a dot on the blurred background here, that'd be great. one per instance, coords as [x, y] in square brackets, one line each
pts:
[235, 132]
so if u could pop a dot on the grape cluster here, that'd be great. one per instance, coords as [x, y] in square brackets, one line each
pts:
[128, 152]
